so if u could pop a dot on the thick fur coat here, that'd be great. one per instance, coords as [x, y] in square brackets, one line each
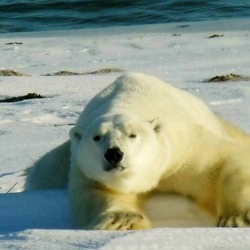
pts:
[141, 135]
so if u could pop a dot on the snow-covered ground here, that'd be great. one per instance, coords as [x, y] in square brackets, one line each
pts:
[182, 54]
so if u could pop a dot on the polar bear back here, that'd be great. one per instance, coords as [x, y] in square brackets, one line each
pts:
[149, 98]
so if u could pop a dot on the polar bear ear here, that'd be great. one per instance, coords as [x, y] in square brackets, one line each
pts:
[75, 134]
[156, 125]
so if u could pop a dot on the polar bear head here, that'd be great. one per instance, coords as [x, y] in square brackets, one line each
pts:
[121, 152]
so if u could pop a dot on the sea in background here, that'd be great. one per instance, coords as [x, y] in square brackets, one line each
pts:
[41, 15]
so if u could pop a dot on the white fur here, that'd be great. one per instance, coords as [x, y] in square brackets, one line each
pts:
[172, 142]
[131, 103]
[115, 131]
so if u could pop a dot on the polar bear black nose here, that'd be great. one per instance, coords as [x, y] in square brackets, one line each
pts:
[113, 155]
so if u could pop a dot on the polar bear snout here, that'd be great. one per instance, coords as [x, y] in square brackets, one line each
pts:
[114, 155]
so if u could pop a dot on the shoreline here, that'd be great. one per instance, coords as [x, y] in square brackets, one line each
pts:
[235, 24]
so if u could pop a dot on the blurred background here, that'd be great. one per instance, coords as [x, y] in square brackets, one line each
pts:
[40, 15]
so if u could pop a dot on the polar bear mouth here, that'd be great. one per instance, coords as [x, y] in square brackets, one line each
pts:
[111, 167]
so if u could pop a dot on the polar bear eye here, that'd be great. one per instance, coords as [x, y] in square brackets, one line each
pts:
[132, 136]
[97, 138]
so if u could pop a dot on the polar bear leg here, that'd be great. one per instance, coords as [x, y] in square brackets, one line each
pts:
[96, 208]
[234, 196]
[50, 171]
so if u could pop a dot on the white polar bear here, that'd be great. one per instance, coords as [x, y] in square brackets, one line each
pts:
[140, 136]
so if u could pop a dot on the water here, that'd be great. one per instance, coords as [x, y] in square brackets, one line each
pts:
[39, 15]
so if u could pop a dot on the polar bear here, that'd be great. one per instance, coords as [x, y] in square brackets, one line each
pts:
[140, 136]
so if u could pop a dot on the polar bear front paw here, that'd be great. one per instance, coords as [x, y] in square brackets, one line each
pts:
[237, 220]
[122, 221]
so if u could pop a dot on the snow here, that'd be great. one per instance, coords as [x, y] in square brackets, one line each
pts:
[183, 56]
[161, 238]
